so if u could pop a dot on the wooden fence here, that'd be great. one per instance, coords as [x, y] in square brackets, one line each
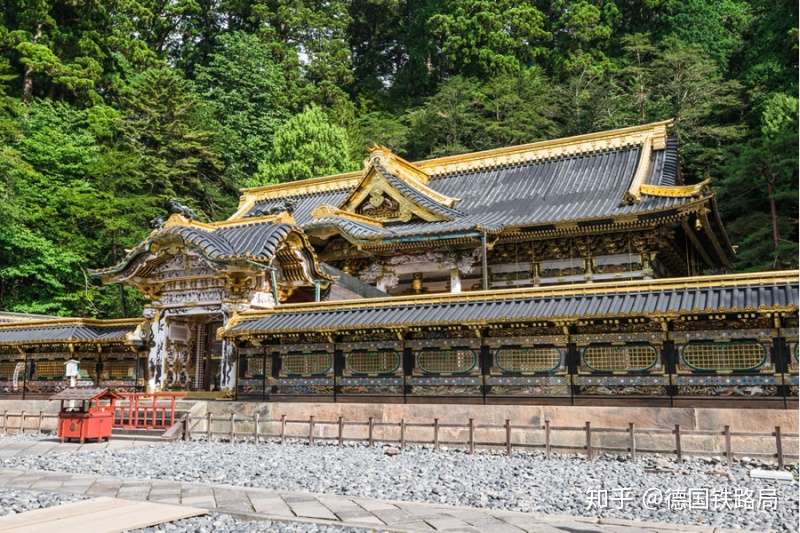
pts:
[27, 422]
[238, 427]
[312, 430]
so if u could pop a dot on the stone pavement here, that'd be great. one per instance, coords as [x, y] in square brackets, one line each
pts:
[20, 448]
[384, 515]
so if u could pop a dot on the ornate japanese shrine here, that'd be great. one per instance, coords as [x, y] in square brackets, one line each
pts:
[577, 270]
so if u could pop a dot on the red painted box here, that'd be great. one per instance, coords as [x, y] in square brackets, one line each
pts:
[86, 413]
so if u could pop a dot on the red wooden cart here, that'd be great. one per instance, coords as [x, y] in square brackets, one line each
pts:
[88, 414]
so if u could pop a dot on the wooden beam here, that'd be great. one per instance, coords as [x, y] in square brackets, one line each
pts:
[714, 241]
[696, 243]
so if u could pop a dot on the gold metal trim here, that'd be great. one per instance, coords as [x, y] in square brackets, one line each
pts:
[176, 219]
[327, 210]
[642, 171]
[71, 321]
[676, 191]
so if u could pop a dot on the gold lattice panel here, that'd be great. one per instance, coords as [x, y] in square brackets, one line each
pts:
[7, 369]
[528, 359]
[50, 369]
[724, 356]
[382, 362]
[619, 358]
[306, 364]
[255, 367]
[446, 361]
[120, 369]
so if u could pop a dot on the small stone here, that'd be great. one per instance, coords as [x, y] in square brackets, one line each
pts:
[391, 451]
[776, 475]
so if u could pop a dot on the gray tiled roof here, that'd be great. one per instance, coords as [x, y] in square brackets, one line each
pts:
[83, 394]
[643, 300]
[417, 197]
[256, 241]
[260, 240]
[42, 333]
[581, 187]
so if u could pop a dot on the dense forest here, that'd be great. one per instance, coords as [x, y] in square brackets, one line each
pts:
[110, 107]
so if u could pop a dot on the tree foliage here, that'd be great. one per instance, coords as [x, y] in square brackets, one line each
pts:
[109, 108]
[305, 146]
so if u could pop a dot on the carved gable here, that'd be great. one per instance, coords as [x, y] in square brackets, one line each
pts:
[380, 204]
[394, 190]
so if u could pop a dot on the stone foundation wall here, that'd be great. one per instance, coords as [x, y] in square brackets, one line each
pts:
[749, 420]
[755, 420]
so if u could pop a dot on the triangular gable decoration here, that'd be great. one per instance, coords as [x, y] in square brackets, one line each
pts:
[394, 190]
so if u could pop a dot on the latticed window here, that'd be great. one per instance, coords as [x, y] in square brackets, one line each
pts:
[446, 361]
[382, 362]
[607, 358]
[50, 369]
[528, 359]
[307, 364]
[255, 367]
[7, 369]
[747, 355]
[120, 369]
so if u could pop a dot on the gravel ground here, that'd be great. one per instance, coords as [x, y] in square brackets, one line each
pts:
[655, 489]
[229, 524]
[19, 501]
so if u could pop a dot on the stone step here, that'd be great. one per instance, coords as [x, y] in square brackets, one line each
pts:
[153, 435]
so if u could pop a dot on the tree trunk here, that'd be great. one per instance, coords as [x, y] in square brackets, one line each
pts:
[773, 210]
[27, 78]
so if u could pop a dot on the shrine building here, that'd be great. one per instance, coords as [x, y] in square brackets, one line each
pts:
[572, 271]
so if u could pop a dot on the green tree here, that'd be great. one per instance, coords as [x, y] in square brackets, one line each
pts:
[466, 115]
[164, 124]
[716, 26]
[759, 193]
[481, 37]
[305, 146]
[248, 95]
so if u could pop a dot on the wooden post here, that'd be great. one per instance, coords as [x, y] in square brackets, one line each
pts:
[728, 450]
[311, 430]
[402, 432]
[508, 437]
[22, 423]
[39, 429]
[188, 433]
[547, 439]
[589, 454]
[283, 428]
[779, 446]
[471, 435]
[5, 422]
[678, 442]
[233, 426]
[255, 428]
[632, 431]
[208, 427]
[341, 430]
[371, 426]
[435, 433]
